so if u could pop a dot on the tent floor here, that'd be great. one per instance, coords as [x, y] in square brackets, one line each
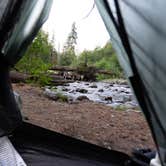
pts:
[42, 147]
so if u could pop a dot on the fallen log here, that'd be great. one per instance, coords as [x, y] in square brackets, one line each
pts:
[89, 73]
[106, 72]
[85, 69]
[17, 77]
[63, 68]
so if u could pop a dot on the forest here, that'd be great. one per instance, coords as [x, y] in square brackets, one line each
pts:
[42, 55]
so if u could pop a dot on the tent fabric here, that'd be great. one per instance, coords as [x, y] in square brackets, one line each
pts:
[3, 5]
[10, 116]
[19, 23]
[30, 17]
[33, 14]
[41, 147]
[8, 154]
[9, 14]
[146, 32]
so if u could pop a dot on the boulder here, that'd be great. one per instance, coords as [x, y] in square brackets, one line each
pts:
[81, 90]
[93, 86]
[66, 84]
[56, 96]
[108, 98]
[81, 98]
[65, 89]
[100, 90]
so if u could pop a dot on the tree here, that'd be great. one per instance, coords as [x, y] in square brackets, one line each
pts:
[102, 58]
[68, 56]
[71, 40]
[41, 47]
[38, 57]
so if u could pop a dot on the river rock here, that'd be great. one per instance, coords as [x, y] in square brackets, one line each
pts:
[100, 90]
[81, 90]
[54, 88]
[111, 84]
[66, 84]
[71, 100]
[49, 93]
[122, 98]
[93, 86]
[65, 89]
[112, 94]
[55, 95]
[81, 98]
[108, 98]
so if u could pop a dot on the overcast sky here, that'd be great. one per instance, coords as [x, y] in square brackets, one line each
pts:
[91, 30]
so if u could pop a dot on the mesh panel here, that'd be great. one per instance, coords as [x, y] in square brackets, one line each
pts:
[8, 154]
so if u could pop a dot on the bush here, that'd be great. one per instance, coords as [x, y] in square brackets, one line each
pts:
[37, 59]
[62, 98]
[36, 68]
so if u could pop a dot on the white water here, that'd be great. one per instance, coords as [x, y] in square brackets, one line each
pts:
[100, 92]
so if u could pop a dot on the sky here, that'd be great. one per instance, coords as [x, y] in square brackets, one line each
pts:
[91, 30]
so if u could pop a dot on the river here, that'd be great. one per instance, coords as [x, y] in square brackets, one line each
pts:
[112, 94]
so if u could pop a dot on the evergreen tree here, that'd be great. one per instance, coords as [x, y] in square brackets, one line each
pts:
[71, 40]
[68, 56]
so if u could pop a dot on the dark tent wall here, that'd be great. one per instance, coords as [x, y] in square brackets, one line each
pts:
[19, 23]
[145, 65]
[31, 17]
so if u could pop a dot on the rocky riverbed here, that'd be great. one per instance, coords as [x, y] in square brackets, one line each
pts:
[112, 94]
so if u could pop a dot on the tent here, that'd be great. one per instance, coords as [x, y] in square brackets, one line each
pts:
[138, 32]
[137, 35]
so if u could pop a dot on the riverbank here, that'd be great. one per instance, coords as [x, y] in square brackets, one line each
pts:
[86, 120]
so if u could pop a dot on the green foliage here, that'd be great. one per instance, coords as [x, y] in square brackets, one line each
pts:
[102, 58]
[101, 77]
[42, 48]
[67, 58]
[41, 55]
[38, 59]
[62, 98]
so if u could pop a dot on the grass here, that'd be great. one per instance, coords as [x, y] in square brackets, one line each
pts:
[61, 97]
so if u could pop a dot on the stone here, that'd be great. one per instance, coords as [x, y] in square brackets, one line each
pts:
[82, 90]
[81, 98]
[111, 84]
[65, 89]
[109, 98]
[66, 84]
[100, 90]
[93, 86]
